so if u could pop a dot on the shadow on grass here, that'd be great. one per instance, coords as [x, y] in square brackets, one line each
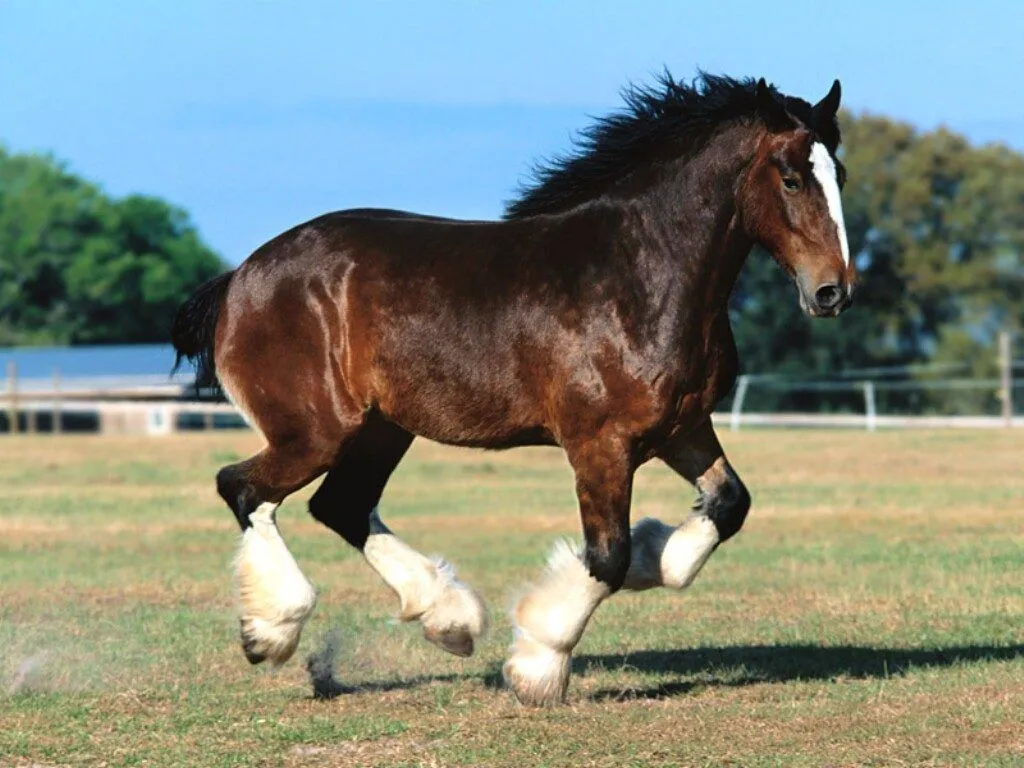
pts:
[331, 688]
[738, 665]
[752, 664]
[320, 666]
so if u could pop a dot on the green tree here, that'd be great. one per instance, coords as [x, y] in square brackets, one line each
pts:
[937, 230]
[79, 267]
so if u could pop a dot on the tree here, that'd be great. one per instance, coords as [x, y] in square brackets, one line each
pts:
[937, 230]
[79, 267]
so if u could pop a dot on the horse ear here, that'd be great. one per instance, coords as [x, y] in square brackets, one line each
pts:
[763, 94]
[769, 105]
[824, 112]
[823, 117]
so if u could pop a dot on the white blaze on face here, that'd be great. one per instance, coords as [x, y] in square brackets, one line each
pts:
[825, 173]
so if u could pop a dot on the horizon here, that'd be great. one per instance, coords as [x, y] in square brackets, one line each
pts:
[254, 118]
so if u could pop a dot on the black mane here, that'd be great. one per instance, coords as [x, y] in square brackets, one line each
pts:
[659, 122]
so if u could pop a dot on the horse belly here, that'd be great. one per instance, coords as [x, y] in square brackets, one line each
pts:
[442, 397]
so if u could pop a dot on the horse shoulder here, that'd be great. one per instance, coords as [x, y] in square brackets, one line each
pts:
[723, 363]
[705, 374]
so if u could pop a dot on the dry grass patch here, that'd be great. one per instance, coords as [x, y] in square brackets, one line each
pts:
[868, 614]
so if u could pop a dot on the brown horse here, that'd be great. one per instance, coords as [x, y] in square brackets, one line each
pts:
[594, 318]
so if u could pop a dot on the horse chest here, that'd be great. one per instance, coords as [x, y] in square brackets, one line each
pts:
[705, 378]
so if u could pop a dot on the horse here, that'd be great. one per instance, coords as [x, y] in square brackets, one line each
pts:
[591, 317]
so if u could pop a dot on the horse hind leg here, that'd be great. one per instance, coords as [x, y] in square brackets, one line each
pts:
[451, 612]
[276, 597]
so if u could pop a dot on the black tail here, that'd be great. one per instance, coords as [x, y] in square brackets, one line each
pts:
[194, 327]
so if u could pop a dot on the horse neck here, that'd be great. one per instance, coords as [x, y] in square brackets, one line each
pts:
[692, 224]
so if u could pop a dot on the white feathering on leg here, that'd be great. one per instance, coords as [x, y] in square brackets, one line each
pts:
[555, 611]
[457, 611]
[276, 597]
[667, 556]
[452, 614]
[412, 576]
[548, 623]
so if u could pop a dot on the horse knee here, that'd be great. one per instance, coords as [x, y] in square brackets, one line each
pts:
[238, 493]
[609, 563]
[727, 506]
[229, 484]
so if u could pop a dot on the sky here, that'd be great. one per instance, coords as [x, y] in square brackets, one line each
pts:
[255, 116]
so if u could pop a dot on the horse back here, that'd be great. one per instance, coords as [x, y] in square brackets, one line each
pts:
[474, 333]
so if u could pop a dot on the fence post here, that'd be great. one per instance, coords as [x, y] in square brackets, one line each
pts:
[12, 396]
[737, 402]
[1006, 377]
[870, 414]
[56, 428]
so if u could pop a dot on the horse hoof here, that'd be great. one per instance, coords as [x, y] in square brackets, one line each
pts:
[538, 677]
[458, 641]
[251, 656]
[261, 642]
[250, 645]
[457, 616]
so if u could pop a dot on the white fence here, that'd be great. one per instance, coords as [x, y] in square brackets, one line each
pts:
[156, 404]
[145, 404]
[870, 415]
[857, 421]
[864, 387]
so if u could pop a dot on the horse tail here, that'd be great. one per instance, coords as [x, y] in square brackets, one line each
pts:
[195, 326]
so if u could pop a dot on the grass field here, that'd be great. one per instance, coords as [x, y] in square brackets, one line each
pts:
[871, 612]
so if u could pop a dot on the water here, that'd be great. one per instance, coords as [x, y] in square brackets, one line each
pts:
[107, 360]
[94, 368]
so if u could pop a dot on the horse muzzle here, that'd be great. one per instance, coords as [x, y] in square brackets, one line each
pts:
[828, 299]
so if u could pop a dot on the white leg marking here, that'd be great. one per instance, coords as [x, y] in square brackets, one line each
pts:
[825, 172]
[276, 596]
[549, 621]
[451, 613]
[663, 556]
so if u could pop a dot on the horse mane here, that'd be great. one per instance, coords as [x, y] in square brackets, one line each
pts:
[659, 123]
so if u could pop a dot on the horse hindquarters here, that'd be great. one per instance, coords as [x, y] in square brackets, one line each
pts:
[270, 365]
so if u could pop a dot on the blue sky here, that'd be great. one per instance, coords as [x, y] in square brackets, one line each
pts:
[255, 116]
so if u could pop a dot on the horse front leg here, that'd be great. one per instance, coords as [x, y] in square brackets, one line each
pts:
[667, 556]
[550, 618]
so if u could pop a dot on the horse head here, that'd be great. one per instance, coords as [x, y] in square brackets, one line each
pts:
[789, 199]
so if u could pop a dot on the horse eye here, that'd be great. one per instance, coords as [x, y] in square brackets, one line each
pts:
[792, 183]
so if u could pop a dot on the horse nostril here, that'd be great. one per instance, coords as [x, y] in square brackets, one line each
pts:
[828, 296]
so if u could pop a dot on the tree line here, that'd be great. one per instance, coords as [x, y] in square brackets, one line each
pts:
[935, 224]
[79, 267]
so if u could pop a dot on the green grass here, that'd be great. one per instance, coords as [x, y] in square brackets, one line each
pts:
[870, 613]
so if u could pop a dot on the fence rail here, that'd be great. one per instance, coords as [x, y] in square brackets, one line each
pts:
[863, 421]
[146, 404]
[156, 384]
[156, 404]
